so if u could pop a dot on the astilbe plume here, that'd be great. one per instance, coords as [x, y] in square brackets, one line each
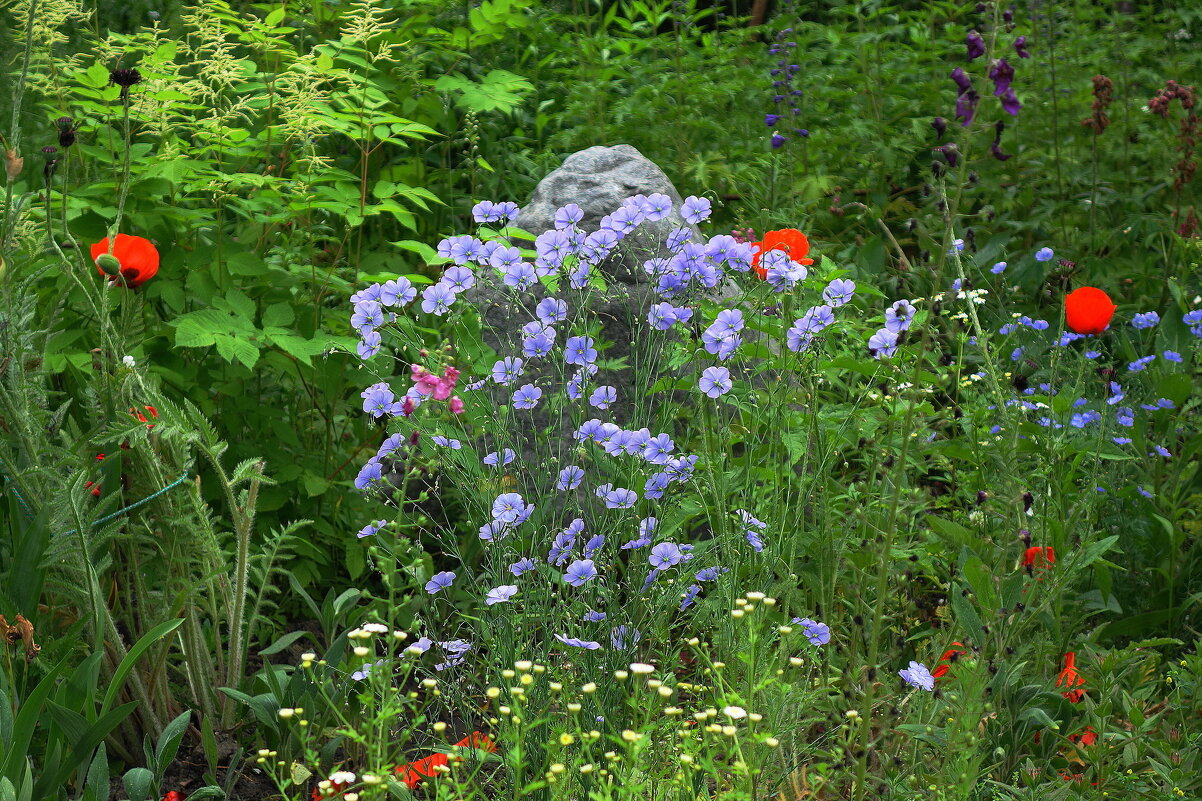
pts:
[1103, 96]
[1187, 142]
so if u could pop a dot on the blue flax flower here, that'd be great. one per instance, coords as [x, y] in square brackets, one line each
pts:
[372, 528]
[883, 344]
[521, 566]
[918, 676]
[580, 350]
[437, 299]
[695, 209]
[603, 397]
[576, 642]
[570, 478]
[527, 397]
[1044, 254]
[817, 633]
[665, 555]
[579, 572]
[440, 581]
[1145, 320]
[715, 381]
[501, 594]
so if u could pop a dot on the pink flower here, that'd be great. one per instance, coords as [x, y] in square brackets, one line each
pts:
[456, 406]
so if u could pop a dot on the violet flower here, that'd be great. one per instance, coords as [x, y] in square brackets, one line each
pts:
[1001, 73]
[975, 45]
[1020, 47]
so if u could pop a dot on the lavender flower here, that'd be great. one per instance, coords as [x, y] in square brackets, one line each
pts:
[579, 572]
[576, 642]
[527, 397]
[918, 676]
[440, 581]
[715, 381]
[817, 633]
[883, 344]
[501, 594]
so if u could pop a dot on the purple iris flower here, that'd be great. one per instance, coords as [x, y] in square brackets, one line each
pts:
[899, 316]
[551, 311]
[603, 397]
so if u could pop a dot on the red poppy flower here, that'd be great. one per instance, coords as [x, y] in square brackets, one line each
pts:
[1040, 557]
[945, 661]
[426, 768]
[1088, 310]
[92, 486]
[790, 240]
[174, 795]
[1086, 737]
[139, 259]
[1069, 677]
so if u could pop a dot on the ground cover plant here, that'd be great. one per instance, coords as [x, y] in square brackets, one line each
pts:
[867, 466]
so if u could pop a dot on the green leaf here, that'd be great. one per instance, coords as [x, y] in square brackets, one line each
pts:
[278, 314]
[964, 611]
[127, 664]
[231, 348]
[500, 90]
[139, 784]
[169, 740]
[283, 642]
[98, 774]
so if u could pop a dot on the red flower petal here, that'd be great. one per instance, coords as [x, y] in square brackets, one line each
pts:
[1088, 310]
[138, 257]
[790, 240]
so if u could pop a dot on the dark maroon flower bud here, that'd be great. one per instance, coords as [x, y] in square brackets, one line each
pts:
[66, 131]
[1008, 15]
[1020, 47]
[413, 438]
[982, 496]
[951, 154]
[937, 169]
[975, 45]
[1028, 501]
[125, 78]
[49, 151]
[996, 150]
[940, 126]
[982, 8]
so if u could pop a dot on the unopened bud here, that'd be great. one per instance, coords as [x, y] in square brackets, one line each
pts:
[13, 164]
[109, 263]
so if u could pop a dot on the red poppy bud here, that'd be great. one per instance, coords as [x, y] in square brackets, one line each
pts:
[1088, 310]
[138, 259]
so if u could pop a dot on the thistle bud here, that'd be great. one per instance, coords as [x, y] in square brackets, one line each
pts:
[66, 131]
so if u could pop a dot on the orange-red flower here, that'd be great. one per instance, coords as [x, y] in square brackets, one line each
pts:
[790, 240]
[949, 656]
[139, 259]
[154, 413]
[1088, 310]
[1070, 678]
[1040, 557]
[426, 768]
